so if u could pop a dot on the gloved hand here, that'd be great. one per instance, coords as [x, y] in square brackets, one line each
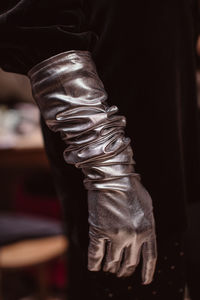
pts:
[72, 100]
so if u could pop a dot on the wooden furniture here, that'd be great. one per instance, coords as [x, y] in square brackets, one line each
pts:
[35, 253]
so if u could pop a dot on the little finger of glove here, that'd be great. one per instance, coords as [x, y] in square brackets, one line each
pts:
[149, 252]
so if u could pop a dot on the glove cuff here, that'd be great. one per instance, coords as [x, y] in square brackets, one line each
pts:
[72, 99]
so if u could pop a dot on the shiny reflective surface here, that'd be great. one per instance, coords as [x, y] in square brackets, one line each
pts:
[73, 101]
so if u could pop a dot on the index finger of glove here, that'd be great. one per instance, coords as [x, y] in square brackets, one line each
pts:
[149, 252]
[96, 252]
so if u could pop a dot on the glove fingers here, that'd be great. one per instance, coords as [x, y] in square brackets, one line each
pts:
[96, 252]
[149, 252]
[131, 260]
[113, 258]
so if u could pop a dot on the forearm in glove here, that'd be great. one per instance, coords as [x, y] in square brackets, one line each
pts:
[73, 101]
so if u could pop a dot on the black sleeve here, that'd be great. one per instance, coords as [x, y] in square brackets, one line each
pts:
[33, 30]
[46, 12]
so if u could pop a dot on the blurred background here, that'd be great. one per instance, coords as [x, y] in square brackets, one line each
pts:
[32, 242]
[33, 245]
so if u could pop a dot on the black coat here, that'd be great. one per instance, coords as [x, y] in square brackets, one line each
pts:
[145, 56]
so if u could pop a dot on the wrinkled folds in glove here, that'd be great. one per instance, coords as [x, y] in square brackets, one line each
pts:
[73, 101]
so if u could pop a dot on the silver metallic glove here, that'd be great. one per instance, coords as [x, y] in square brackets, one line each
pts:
[72, 100]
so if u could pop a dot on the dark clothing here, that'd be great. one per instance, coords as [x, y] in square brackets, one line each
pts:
[144, 52]
[145, 58]
[169, 280]
[35, 30]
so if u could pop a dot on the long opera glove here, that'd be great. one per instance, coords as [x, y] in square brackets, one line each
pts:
[72, 100]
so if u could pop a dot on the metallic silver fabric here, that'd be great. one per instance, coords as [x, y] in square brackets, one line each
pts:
[73, 101]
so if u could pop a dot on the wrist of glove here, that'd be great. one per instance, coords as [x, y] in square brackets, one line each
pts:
[72, 100]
